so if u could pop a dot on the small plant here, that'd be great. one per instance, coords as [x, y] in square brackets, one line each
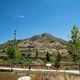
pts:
[67, 68]
[47, 77]
[15, 72]
[38, 60]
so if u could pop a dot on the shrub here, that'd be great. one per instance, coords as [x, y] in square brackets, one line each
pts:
[20, 62]
[29, 54]
[47, 77]
[67, 68]
[23, 53]
[38, 60]
[22, 58]
[15, 61]
[6, 58]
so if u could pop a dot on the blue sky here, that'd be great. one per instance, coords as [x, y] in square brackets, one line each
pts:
[34, 17]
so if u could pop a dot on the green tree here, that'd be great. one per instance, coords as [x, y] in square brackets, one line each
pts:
[15, 37]
[37, 53]
[73, 45]
[59, 56]
[12, 51]
[47, 56]
[57, 62]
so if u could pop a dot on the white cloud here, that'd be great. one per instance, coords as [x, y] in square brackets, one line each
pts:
[20, 16]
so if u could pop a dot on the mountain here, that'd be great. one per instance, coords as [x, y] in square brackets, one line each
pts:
[46, 37]
[43, 42]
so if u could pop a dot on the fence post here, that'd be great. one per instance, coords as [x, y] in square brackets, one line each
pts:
[79, 68]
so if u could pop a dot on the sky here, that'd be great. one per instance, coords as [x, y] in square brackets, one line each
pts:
[35, 17]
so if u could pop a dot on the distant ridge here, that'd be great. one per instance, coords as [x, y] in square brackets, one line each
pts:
[45, 37]
[43, 42]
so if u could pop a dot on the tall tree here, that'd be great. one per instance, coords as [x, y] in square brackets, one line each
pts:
[47, 56]
[73, 45]
[12, 50]
[57, 61]
[15, 37]
[59, 56]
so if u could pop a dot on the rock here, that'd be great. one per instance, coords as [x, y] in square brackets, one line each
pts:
[24, 78]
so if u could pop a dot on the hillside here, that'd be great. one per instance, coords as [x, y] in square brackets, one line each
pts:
[45, 37]
[43, 42]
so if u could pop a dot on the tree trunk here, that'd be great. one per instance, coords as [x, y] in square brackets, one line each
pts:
[12, 65]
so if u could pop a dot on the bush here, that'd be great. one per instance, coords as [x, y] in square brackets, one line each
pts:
[15, 61]
[47, 77]
[23, 53]
[67, 68]
[22, 58]
[30, 60]
[20, 62]
[38, 60]
[6, 58]
[29, 54]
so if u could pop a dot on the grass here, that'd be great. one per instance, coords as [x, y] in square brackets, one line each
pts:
[9, 76]
[54, 76]
[39, 75]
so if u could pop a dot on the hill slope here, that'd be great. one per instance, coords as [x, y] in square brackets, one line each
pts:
[44, 42]
[46, 37]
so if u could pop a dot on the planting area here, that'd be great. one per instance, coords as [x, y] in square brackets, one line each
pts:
[38, 75]
[36, 63]
[9, 76]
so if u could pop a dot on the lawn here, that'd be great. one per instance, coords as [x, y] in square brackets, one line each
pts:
[9, 76]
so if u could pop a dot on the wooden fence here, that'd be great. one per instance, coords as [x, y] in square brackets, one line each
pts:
[36, 66]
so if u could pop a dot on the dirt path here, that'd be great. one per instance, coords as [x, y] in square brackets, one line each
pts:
[68, 71]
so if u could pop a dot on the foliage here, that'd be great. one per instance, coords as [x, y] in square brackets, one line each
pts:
[73, 45]
[29, 54]
[59, 56]
[38, 60]
[6, 58]
[67, 68]
[57, 62]
[12, 52]
[4, 50]
[15, 61]
[37, 53]
[47, 56]
[23, 53]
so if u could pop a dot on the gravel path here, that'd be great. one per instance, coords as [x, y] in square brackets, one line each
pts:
[28, 78]
[69, 71]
